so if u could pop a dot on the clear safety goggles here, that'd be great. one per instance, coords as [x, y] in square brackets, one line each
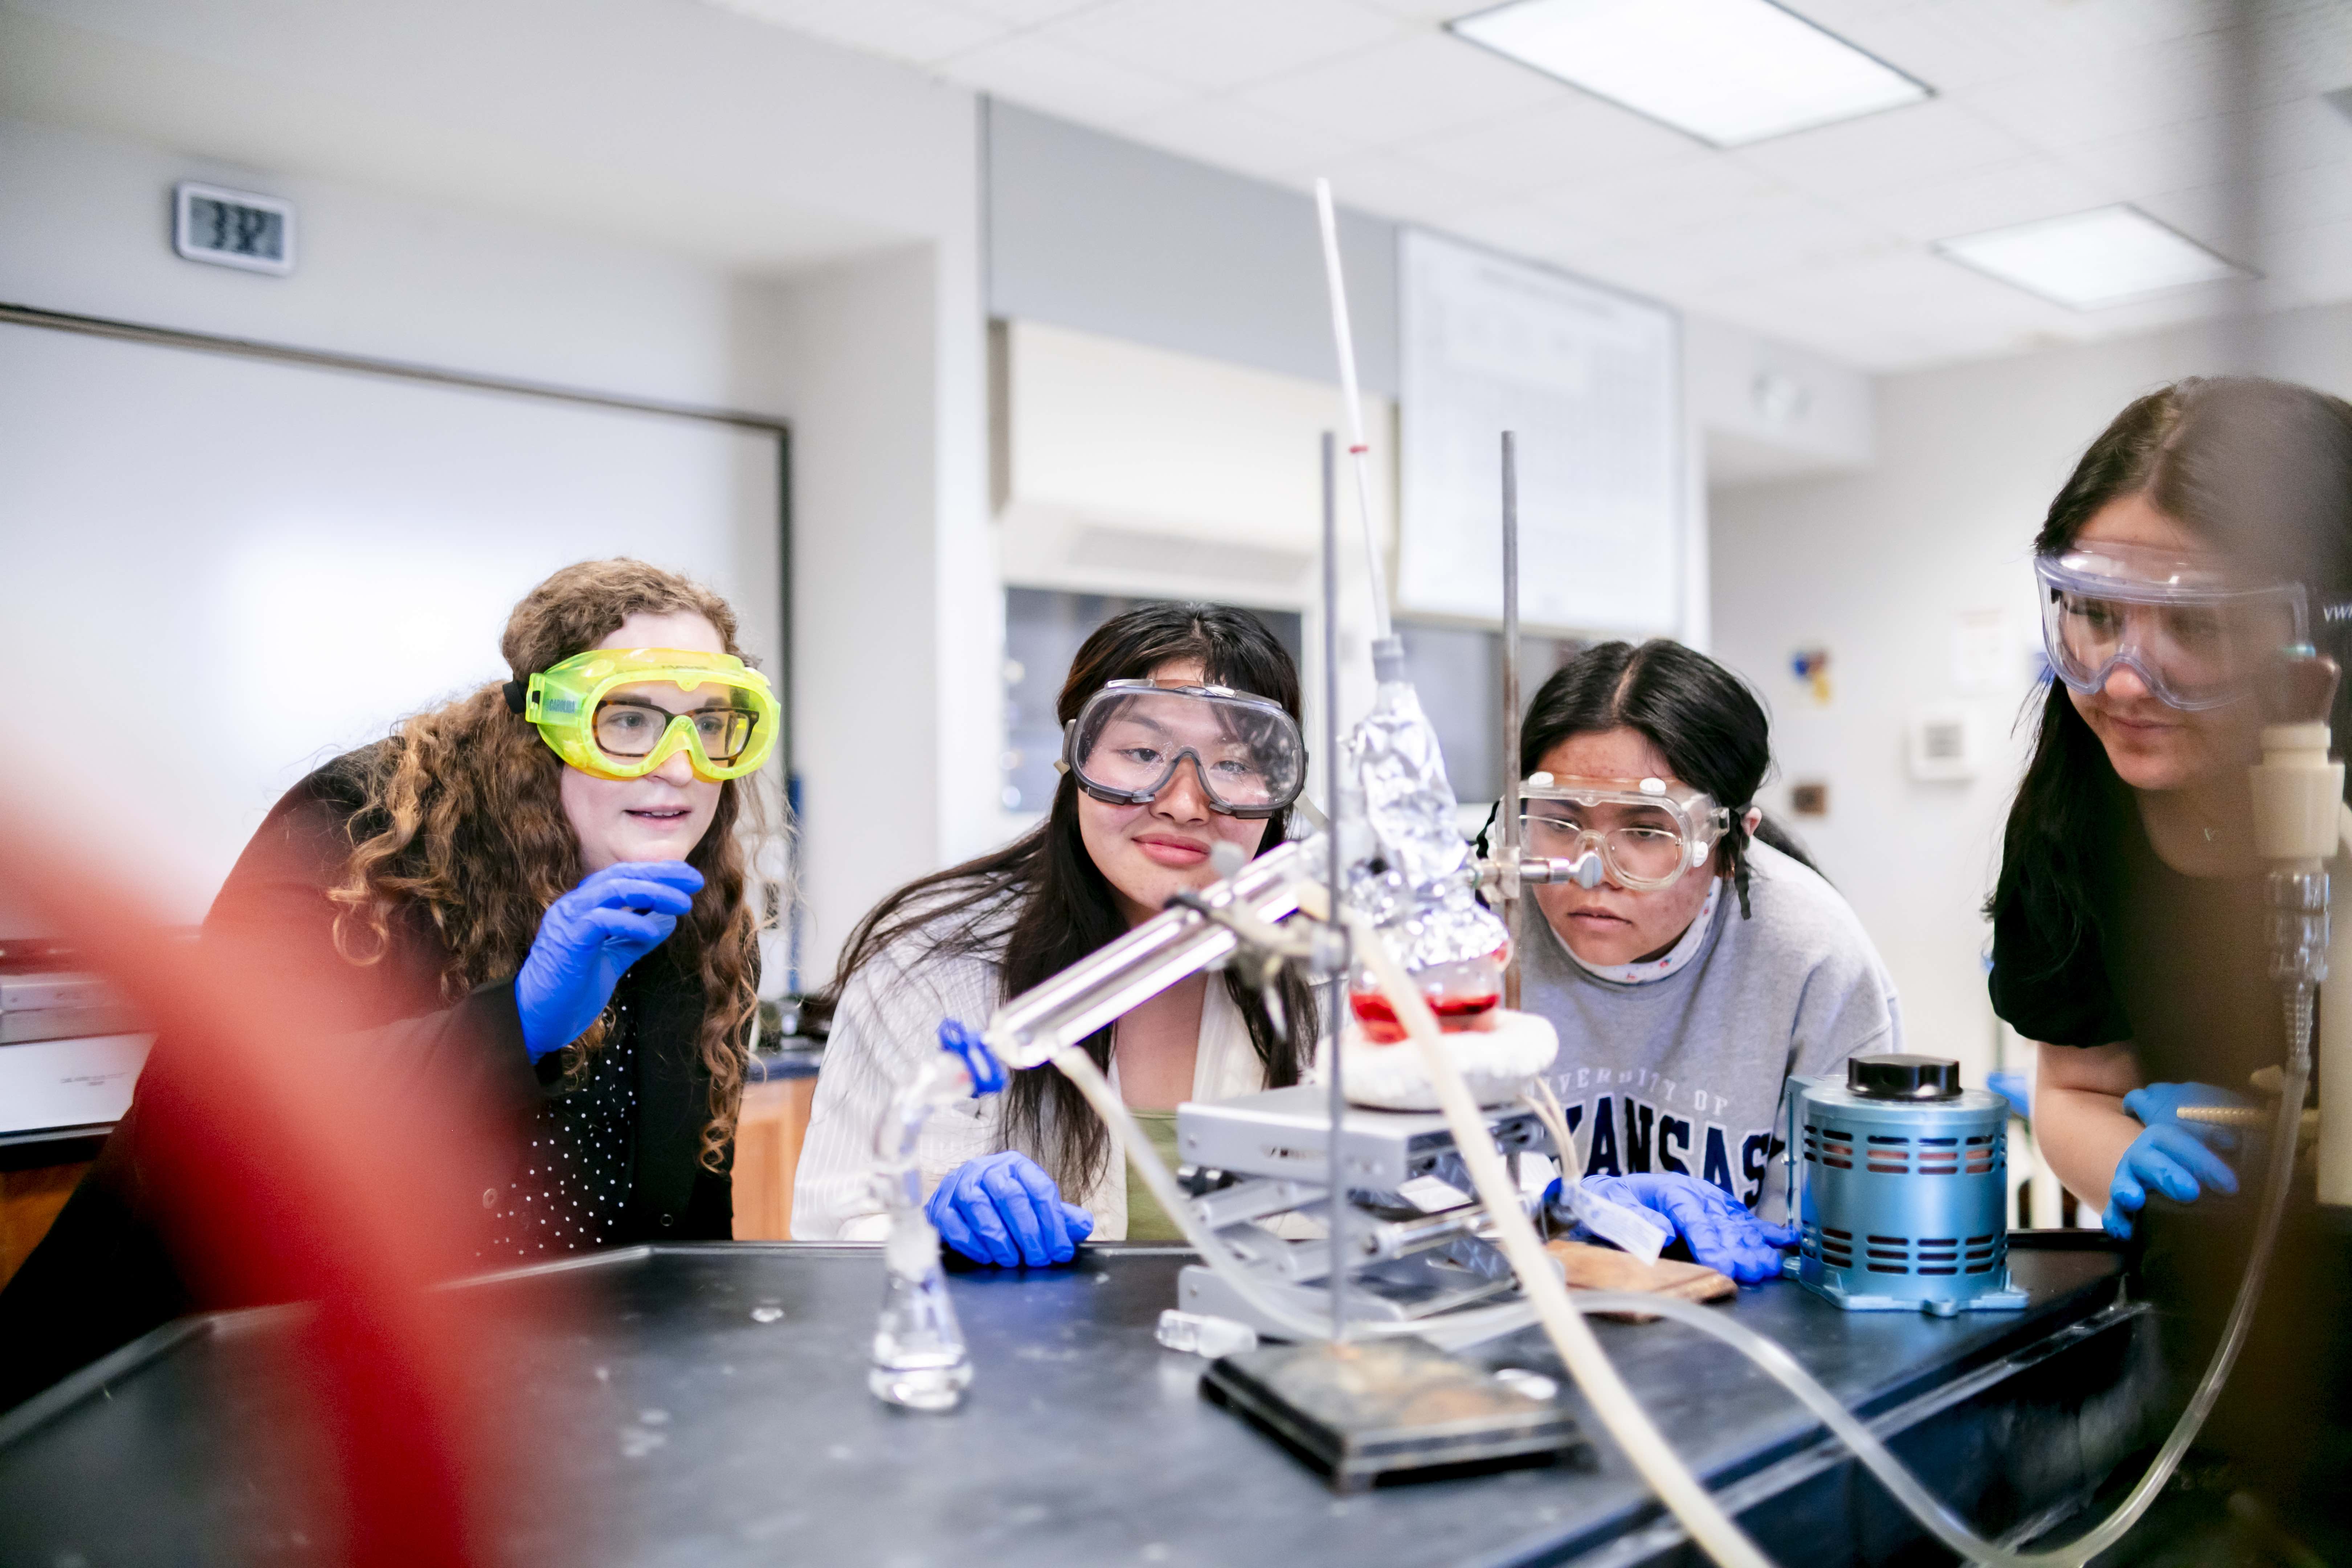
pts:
[620, 713]
[2195, 637]
[1637, 833]
[1126, 743]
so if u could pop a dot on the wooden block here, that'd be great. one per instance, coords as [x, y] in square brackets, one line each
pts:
[1593, 1267]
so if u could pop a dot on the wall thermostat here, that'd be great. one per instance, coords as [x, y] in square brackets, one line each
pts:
[233, 229]
[1946, 744]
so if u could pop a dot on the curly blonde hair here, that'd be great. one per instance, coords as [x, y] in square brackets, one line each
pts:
[464, 821]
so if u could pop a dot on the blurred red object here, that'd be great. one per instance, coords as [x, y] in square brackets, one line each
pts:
[290, 1176]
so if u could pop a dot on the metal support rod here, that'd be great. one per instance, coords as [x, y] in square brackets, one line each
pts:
[1344, 338]
[1509, 810]
[1336, 982]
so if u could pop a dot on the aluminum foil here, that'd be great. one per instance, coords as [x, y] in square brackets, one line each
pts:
[1408, 866]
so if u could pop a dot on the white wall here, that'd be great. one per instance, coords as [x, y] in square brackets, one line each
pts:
[1770, 410]
[1879, 567]
[380, 274]
[898, 608]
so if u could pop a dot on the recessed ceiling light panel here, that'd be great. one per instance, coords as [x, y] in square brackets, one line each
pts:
[2089, 260]
[1725, 71]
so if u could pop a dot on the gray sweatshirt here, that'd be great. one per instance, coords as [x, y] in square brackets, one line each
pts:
[1685, 1073]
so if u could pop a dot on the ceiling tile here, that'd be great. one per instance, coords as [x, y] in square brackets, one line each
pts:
[1398, 186]
[1522, 228]
[2162, 158]
[2055, 107]
[2035, 187]
[1580, 140]
[1033, 69]
[1931, 141]
[2307, 47]
[2309, 265]
[1699, 262]
[1024, 12]
[2297, 198]
[1660, 201]
[2310, 132]
[1236, 136]
[922, 32]
[2209, 214]
[1428, 11]
[1214, 45]
[1886, 312]
[1419, 85]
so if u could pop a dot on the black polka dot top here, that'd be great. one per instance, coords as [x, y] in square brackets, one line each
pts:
[577, 1172]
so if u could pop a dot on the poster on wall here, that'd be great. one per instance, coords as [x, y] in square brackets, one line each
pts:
[1589, 379]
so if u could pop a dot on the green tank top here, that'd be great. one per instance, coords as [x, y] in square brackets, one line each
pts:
[1146, 1220]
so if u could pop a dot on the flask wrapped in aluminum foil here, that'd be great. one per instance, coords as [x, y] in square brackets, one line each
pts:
[1411, 872]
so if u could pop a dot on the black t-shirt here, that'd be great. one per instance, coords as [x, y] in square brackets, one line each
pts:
[2175, 965]
[2178, 966]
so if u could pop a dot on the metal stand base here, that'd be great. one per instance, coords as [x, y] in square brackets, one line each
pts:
[1359, 1412]
[2003, 1297]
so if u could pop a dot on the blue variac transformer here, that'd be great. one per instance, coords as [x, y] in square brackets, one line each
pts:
[1900, 1179]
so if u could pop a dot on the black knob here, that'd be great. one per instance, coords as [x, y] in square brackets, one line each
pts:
[1902, 1077]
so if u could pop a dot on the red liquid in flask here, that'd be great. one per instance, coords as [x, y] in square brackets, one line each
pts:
[1379, 1024]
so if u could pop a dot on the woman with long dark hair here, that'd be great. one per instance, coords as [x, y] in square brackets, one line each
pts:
[1698, 959]
[536, 893]
[2130, 927]
[1181, 734]
[2129, 918]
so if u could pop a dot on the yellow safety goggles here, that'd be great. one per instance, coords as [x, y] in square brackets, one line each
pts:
[616, 713]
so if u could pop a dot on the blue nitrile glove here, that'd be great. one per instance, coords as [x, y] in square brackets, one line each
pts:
[2173, 1156]
[1003, 1209]
[588, 939]
[1719, 1230]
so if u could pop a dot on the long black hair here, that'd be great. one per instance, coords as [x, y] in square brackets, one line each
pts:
[1704, 719]
[2260, 471]
[1060, 905]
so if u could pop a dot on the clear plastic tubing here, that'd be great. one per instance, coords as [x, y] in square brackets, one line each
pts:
[1898, 1480]
[1777, 1362]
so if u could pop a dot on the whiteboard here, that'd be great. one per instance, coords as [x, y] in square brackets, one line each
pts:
[270, 563]
[1589, 379]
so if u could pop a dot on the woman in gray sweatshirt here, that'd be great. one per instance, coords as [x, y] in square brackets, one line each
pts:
[1698, 960]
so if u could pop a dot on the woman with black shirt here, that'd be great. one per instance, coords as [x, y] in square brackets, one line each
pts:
[2128, 924]
[536, 893]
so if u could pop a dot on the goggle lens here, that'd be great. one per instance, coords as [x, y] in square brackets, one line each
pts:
[1247, 756]
[629, 730]
[2193, 646]
[1641, 844]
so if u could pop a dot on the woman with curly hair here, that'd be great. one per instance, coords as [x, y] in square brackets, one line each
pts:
[535, 892]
